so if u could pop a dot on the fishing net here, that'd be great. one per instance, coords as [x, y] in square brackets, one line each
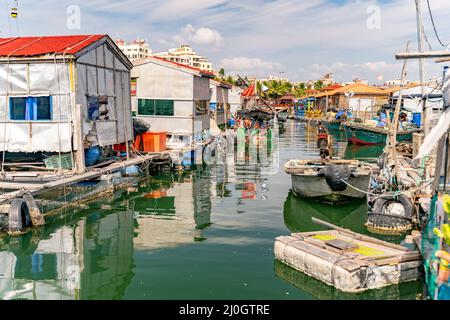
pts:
[430, 244]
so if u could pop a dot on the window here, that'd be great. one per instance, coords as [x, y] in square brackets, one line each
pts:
[98, 108]
[152, 107]
[133, 86]
[30, 108]
[201, 107]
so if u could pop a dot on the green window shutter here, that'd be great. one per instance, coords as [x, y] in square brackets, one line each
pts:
[164, 107]
[146, 107]
[17, 108]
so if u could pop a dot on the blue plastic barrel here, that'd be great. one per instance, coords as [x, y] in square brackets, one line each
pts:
[417, 119]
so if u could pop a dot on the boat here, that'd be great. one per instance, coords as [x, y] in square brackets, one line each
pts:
[333, 125]
[330, 180]
[359, 133]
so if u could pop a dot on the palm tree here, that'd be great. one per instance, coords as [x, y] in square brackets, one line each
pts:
[222, 73]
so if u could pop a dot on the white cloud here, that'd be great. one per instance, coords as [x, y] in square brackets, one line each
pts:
[200, 36]
[250, 65]
[374, 71]
[292, 32]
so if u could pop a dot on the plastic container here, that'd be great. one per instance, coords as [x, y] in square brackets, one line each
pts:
[121, 147]
[56, 162]
[417, 119]
[154, 141]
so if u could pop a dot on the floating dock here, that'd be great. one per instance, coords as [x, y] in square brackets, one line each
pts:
[23, 211]
[348, 261]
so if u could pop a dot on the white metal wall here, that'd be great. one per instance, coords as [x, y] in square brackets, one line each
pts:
[101, 73]
[155, 81]
[35, 79]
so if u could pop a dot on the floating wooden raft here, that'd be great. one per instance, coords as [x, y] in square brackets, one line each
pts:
[348, 261]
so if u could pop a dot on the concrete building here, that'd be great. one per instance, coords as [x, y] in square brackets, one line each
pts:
[138, 49]
[395, 82]
[172, 97]
[220, 104]
[187, 56]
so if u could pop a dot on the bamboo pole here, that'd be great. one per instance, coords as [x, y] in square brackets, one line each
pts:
[395, 123]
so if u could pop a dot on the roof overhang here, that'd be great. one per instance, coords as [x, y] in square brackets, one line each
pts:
[69, 57]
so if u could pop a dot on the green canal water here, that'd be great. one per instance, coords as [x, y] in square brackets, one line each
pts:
[206, 234]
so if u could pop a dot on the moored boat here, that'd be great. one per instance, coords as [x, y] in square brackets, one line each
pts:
[332, 125]
[329, 180]
[359, 133]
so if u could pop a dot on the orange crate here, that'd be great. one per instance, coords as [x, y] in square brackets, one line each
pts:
[154, 141]
[122, 147]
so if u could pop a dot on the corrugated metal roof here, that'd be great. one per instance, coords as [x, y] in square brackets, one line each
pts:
[179, 65]
[37, 46]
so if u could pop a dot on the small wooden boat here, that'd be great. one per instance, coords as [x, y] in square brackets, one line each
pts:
[333, 125]
[330, 180]
[359, 133]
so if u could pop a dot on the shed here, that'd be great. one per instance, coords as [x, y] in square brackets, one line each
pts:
[235, 100]
[172, 97]
[220, 104]
[44, 79]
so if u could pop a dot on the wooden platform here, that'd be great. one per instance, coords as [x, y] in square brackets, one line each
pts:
[348, 261]
[35, 188]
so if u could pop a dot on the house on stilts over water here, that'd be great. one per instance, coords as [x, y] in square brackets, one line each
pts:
[53, 88]
[66, 126]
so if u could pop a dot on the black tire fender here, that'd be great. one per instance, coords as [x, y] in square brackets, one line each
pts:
[335, 174]
[380, 205]
[19, 216]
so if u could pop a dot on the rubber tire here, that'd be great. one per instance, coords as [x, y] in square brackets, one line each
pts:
[379, 218]
[19, 216]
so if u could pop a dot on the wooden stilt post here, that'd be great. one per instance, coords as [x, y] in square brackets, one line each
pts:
[80, 166]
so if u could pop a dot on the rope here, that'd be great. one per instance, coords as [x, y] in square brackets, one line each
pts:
[434, 26]
[396, 194]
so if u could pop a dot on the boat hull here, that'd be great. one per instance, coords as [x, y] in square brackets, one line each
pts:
[332, 125]
[309, 186]
[368, 137]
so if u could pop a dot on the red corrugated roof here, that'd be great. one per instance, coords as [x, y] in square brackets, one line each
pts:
[185, 66]
[332, 87]
[36, 46]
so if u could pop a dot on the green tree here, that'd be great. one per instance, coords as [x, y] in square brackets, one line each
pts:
[318, 85]
[230, 80]
[276, 89]
[299, 90]
[222, 73]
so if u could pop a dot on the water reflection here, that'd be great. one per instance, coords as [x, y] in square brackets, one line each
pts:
[91, 257]
[213, 221]
[319, 290]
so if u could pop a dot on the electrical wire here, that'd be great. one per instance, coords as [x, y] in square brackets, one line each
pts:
[434, 26]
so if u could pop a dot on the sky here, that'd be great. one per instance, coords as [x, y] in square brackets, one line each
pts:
[297, 39]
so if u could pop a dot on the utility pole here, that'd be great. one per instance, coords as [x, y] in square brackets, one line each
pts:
[426, 126]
